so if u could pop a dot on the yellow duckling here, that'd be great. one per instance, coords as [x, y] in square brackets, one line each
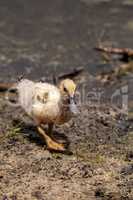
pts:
[48, 104]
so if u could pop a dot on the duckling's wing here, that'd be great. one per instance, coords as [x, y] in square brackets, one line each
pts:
[47, 93]
[46, 105]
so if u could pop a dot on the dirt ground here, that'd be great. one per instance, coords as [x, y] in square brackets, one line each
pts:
[99, 166]
[39, 39]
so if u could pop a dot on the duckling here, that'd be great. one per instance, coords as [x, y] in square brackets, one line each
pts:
[48, 104]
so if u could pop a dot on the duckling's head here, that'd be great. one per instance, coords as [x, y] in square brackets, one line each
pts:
[68, 88]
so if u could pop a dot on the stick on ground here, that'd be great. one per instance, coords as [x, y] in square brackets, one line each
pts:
[125, 52]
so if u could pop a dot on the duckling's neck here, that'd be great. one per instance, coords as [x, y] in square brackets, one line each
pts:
[65, 101]
[65, 114]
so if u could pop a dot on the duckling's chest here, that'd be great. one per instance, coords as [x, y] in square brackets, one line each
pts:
[63, 117]
[65, 114]
[51, 112]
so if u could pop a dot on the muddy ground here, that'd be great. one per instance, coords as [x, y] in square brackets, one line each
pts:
[42, 38]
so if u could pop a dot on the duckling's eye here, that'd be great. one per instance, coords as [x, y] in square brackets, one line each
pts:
[65, 90]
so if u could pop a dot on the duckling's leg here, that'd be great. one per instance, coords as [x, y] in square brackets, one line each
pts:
[50, 129]
[50, 133]
[52, 145]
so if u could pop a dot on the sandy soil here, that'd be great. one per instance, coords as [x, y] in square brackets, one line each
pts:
[97, 166]
[41, 38]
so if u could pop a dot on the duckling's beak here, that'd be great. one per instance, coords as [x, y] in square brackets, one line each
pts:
[73, 106]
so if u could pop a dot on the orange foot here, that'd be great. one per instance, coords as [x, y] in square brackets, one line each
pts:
[52, 145]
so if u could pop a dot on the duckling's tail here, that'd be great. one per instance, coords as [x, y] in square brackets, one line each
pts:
[6, 86]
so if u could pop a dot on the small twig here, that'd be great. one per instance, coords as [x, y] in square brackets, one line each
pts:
[72, 74]
[54, 79]
[5, 86]
[21, 77]
[123, 51]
